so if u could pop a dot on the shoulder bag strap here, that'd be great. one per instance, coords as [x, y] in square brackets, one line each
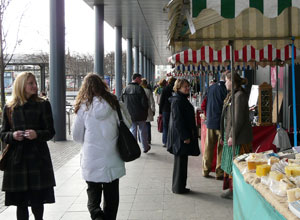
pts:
[119, 113]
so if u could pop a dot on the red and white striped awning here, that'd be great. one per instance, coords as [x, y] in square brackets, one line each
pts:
[247, 54]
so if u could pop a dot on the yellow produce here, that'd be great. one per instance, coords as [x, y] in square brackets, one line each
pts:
[253, 163]
[263, 170]
[276, 175]
[293, 194]
[291, 170]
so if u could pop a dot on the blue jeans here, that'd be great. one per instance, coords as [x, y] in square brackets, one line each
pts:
[166, 119]
[143, 132]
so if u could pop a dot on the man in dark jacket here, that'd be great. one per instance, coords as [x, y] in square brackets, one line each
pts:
[215, 98]
[136, 102]
[165, 107]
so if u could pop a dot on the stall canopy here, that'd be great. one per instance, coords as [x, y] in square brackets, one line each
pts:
[248, 54]
[252, 26]
[232, 8]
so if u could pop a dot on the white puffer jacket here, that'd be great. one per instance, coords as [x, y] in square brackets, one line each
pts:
[97, 129]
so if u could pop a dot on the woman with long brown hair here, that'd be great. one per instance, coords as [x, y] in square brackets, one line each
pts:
[27, 125]
[243, 130]
[96, 127]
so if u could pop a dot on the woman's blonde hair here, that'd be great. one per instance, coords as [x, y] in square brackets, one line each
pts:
[18, 93]
[144, 83]
[162, 82]
[94, 86]
[179, 83]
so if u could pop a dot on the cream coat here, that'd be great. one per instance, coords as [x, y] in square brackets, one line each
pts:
[151, 104]
[97, 129]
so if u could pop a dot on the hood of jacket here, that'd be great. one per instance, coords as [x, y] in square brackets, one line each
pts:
[100, 109]
[178, 96]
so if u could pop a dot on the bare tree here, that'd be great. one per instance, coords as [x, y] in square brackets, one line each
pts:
[6, 57]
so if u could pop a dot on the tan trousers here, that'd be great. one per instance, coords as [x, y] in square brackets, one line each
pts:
[212, 137]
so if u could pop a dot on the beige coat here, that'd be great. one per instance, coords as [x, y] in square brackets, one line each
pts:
[151, 104]
[243, 129]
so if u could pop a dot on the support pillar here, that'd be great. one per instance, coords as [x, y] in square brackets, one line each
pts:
[99, 40]
[141, 69]
[57, 68]
[129, 61]
[43, 81]
[145, 66]
[118, 61]
[136, 60]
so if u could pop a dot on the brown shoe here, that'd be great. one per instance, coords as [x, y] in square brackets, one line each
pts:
[219, 177]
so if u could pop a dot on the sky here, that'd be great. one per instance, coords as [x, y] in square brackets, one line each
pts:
[35, 26]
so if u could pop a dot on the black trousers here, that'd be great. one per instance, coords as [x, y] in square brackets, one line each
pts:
[37, 210]
[148, 124]
[111, 200]
[179, 174]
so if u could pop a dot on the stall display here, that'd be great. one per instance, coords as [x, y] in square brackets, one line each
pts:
[269, 182]
[265, 104]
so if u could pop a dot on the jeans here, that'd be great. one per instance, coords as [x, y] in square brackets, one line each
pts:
[111, 200]
[143, 133]
[166, 119]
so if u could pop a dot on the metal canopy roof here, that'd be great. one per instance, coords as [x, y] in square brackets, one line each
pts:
[145, 21]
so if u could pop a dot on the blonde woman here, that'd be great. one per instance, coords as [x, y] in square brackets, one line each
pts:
[27, 125]
[151, 107]
[96, 127]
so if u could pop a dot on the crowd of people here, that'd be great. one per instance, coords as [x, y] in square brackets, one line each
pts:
[27, 125]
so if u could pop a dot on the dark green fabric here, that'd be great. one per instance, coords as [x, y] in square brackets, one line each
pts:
[226, 163]
[228, 8]
[258, 4]
[198, 6]
[283, 4]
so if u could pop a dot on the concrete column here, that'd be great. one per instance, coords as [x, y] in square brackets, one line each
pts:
[118, 61]
[136, 60]
[99, 40]
[145, 66]
[129, 61]
[148, 70]
[141, 69]
[57, 68]
[43, 81]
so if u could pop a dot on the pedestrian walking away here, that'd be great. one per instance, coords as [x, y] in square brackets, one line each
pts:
[136, 102]
[27, 125]
[151, 108]
[165, 108]
[96, 128]
[182, 136]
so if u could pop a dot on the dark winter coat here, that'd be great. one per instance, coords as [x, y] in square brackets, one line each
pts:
[182, 126]
[215, 98]
[29, 166]
[164, 103]
[136, 102]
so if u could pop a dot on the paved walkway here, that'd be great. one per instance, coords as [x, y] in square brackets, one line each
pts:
[145, 192]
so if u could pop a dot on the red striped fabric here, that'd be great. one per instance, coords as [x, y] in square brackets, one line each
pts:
[194, 56]
[245, 54]
[185, 56]
[270, 52]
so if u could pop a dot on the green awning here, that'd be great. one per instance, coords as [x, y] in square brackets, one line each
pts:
[232, 8]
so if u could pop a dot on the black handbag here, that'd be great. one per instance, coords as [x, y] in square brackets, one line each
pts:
[127, 145]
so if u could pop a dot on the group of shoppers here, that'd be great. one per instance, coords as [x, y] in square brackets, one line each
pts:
[27, 125]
